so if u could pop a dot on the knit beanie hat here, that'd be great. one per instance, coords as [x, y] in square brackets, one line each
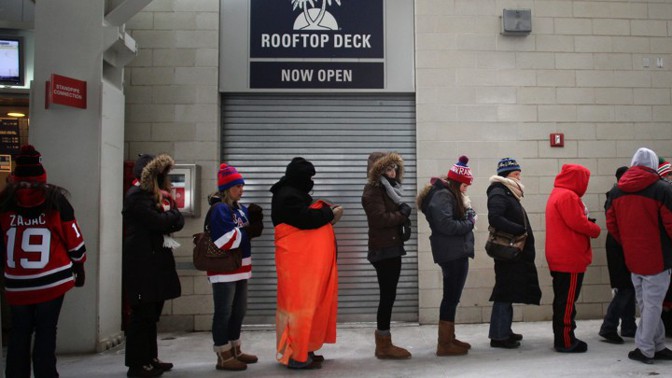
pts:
[644, 157]
[664, 167]
[28, 166]
[460, 172]
[143, 160]
[228, 177]
[507, 165]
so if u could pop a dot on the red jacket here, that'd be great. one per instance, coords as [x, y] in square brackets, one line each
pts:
[639, 216]
[568, 230]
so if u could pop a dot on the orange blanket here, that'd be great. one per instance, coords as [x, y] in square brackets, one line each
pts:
[307, 290]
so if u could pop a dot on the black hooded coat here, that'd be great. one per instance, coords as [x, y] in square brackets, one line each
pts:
[291, 200]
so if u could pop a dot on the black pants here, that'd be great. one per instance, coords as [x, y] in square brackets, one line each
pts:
[39, 319]
[566, 290]
[141, 347]
[454, 277]
[388, 272]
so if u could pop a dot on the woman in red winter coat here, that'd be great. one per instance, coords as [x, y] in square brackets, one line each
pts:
[568, 252]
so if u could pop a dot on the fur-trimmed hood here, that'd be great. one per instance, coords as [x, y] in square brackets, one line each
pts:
[156, 169]
[425, 191]
[377, 163]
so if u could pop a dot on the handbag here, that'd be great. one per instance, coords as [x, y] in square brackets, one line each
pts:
[208, 257]
[504, 246]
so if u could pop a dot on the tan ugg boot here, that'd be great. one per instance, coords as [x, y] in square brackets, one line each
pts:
[240, 356]
[226, 359]
[386, 350]
[460, 343]
[446, 345]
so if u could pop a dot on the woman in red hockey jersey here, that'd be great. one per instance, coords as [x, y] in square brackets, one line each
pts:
[43, 255]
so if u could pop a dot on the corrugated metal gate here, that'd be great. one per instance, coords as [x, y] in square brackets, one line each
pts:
[262, 133]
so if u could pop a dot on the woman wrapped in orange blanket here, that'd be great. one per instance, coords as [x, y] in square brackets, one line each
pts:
[305, 257]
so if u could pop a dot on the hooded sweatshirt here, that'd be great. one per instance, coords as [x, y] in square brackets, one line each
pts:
[639, 216]
[568, 230]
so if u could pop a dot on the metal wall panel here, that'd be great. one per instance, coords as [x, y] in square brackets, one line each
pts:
[337, 132]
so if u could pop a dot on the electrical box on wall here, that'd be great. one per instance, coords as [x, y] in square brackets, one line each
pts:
[557, 140]
[516, 22]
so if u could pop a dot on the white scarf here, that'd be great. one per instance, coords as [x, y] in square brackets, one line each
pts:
[515, 186]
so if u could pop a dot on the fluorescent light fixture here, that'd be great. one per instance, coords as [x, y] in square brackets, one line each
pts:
[16, 114]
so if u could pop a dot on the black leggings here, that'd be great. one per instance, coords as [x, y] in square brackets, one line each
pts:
[388, 272]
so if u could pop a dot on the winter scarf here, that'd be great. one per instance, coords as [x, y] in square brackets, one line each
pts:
[395, 192]
[515, 186]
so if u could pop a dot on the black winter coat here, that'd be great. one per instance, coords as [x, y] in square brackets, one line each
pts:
[148, 267]
[451, 238]
[619, 275]
[517, 281]
[291, 206]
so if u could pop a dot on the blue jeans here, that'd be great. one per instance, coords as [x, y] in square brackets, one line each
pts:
[621, 308]
[230, 306]
[41, 318]
[500, 321]
[454, 277]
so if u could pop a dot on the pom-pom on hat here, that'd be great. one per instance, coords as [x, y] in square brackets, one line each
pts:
[29, 166]
[507, 165]
[460, 172]
[228, 177]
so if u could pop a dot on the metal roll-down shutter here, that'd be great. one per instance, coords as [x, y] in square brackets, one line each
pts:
[336, 132]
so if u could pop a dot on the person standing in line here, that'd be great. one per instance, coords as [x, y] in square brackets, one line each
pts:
[515, 281]
[305, 258]
[150, 216]
[665, 172]
[43, 257]
[451, 219]
[386, 213]
[568, 251]
[231, 226]
[622, 306]
[639, 216]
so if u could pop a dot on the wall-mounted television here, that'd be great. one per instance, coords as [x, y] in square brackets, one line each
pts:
[11, 61]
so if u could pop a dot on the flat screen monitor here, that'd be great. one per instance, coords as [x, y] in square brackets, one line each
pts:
[11, 61]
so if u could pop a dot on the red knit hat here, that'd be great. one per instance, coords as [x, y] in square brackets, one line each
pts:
[460, 172]
[28, 166]
[664, 168]
[227, 177]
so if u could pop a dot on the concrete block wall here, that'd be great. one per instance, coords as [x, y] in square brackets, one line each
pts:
[582, 71]
[172, 106]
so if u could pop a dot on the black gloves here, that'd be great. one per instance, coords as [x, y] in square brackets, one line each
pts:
[256, 226]
[78, 271]
[405, 209]
[256, 212]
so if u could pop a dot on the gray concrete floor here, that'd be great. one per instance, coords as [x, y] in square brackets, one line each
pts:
[352, 356]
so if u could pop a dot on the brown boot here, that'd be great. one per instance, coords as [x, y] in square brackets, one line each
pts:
[458, 342]
[386, 350]
[226, 359]
[240, 356]
[446, 345]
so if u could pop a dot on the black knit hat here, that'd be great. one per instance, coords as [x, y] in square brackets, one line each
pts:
[620, 171]
[143, 160]
[28, 166]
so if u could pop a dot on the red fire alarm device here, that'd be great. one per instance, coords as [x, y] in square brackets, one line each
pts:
[557, 140]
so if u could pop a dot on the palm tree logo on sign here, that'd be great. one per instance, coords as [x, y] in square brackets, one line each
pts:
[313, 17]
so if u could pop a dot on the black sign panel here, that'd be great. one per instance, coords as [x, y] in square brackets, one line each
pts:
[316, 29]
[9, 136]
[330, 75]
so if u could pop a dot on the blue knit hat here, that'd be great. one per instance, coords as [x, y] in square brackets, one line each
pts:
[507, 165]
